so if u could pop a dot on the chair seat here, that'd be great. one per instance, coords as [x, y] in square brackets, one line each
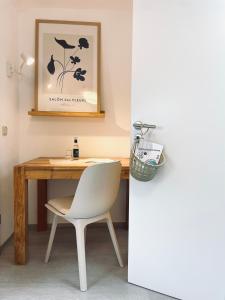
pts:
[62, 205]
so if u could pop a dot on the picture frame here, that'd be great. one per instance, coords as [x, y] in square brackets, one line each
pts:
[67, 68]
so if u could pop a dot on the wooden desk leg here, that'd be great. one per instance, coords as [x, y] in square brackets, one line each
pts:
[127, 204]
[20, 216]
[41, 201]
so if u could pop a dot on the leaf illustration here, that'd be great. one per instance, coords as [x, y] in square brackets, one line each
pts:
[83, 43]
[51, 65]
[64, 44]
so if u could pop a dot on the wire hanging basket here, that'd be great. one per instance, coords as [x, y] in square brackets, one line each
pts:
[143, 171]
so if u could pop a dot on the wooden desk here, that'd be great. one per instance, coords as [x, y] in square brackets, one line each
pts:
[43, 169]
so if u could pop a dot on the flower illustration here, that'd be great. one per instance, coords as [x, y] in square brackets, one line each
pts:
[74, 59]
[83, 43]
[78, 74]
[69, 57]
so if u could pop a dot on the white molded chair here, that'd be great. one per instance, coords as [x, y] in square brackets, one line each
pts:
[96, 193]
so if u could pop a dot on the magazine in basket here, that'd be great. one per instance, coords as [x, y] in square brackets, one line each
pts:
[148, 151]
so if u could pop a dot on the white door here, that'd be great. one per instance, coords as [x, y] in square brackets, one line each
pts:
[177, 221]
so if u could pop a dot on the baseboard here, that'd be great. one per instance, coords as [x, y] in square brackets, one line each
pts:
[117, 225]
[33, 227]
[5, 243]
[63, 225]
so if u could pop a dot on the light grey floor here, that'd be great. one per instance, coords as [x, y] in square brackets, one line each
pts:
[58, 280]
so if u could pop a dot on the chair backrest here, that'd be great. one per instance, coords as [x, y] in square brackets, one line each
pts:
[96, 191]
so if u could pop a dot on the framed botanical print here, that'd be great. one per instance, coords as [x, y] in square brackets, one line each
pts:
[67, 66]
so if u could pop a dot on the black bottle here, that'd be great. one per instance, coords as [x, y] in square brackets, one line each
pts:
[75, 149]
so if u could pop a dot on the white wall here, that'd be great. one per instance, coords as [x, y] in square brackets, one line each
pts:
[177, 224]
[8, 115]
[44, 136]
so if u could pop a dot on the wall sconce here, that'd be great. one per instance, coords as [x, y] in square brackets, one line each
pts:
[25, 60]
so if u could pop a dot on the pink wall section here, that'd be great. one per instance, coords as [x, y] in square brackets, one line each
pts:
[97, 137]
[9, 115]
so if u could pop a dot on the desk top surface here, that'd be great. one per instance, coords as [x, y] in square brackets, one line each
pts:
[62, 163]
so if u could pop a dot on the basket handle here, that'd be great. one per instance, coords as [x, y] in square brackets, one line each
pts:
[162, 163]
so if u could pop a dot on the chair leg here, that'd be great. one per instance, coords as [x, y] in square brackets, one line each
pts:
[85, 234]
[80, 236]
[114, 240]
[51, 238]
